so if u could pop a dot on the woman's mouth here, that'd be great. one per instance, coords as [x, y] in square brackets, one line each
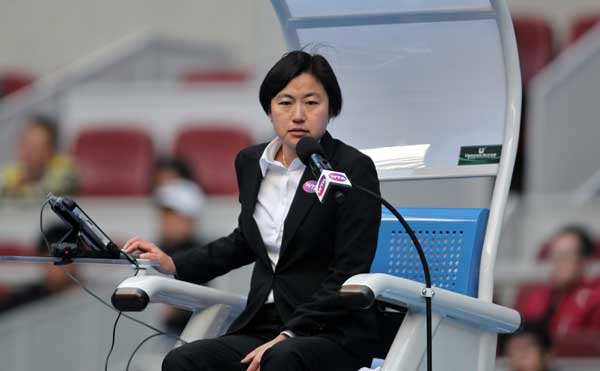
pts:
[298, 132]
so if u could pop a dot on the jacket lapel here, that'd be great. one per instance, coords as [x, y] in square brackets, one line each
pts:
[248, 200]
[303, 201]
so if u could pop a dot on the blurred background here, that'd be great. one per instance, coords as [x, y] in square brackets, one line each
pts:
[137, 108]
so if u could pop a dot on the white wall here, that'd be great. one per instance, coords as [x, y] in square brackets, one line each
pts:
[43, 36]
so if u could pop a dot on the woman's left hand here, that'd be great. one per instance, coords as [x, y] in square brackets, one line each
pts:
[255, 356]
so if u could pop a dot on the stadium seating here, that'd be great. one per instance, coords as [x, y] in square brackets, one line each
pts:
[114, 160]
[214, 75]
[13, 81]
[11, 248]
[210, 150]
[581, 25]
[534, 42]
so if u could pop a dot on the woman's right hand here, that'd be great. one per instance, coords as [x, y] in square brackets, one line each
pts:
[151, 252]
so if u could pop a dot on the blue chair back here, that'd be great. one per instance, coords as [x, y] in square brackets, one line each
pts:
[452, 240]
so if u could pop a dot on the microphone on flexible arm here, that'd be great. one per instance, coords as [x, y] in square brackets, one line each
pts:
[311, 154]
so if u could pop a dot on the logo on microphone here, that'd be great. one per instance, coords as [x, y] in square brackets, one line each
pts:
[321, 186]
[309, 186]
[336, 177]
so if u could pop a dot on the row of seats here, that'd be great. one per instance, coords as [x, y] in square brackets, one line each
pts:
[535, 40]
[13, 80]
[116, 159]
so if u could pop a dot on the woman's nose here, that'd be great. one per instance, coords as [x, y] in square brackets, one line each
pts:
[299, 114]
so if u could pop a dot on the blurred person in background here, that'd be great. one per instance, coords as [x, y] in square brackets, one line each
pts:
[52, 279]
[39, 168]
[167, 169]
[528, 350]
[180, 203]
[570, 303]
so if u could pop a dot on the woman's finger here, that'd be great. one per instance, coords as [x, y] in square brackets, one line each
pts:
[248, 357]
[254, 365]
[129, 243]
[150, 256]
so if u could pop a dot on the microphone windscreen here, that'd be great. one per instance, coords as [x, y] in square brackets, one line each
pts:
[306, 147]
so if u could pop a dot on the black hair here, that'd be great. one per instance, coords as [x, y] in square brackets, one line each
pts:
[536, 330]
[292, 65]
[176, 164]
[47, 123]
[586, 243]
[539, 333]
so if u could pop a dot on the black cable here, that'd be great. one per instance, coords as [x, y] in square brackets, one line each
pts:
[92, 294]
[112, 344]
[423, 259]
[42, 227]
[138, 348]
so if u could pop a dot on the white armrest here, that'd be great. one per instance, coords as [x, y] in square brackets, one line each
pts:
[406, 293]
[135, 293]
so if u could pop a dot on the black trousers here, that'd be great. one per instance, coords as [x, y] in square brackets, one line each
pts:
[306, 353]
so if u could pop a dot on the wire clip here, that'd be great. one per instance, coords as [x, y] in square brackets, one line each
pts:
[427, 292]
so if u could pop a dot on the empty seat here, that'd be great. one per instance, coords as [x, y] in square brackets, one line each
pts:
[12, 248]
[13, 81]
[114, 161]
[535, 45]
[581, 25]
[203, 75]
[585, 343]
[210, 151]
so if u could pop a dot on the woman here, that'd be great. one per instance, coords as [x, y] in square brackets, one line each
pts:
[303, 250]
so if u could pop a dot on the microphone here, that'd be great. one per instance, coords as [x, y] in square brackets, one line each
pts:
[311, 154]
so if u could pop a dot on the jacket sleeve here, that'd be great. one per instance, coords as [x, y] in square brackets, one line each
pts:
[356, 229]
[202, 264]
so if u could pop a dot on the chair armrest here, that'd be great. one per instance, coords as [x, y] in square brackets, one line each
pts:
[134, 294]
[364, 289]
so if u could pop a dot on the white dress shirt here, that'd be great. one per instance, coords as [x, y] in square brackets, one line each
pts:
[274, 199]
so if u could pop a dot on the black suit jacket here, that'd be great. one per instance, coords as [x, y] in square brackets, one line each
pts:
[322, 246]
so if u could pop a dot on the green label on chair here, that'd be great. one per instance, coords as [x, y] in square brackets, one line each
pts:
[480, 155]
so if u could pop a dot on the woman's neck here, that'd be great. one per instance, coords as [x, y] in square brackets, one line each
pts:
[285, 155]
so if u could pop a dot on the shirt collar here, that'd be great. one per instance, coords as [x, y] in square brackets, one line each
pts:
[267, 159]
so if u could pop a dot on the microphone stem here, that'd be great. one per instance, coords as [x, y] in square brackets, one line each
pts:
[423, 259]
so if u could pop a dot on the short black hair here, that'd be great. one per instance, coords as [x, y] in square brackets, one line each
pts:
[292, 65]
[47, 123]
[586, 243]
[176, 164]
[540, 334]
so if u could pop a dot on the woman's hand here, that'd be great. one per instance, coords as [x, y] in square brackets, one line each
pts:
[151, 252]
[255, 356]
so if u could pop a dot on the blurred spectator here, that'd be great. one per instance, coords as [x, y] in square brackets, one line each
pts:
[39, 169]
[180, 203]
[528, 350]
[569, 303]
[167, 169]
[53, 278]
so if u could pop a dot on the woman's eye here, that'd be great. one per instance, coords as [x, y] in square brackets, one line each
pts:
[312, 102]
[285, 103]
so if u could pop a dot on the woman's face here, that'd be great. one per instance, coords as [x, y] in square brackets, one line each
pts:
[299, 109]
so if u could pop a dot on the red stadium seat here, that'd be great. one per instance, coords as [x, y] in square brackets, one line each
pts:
[579, 344]
[535, 45]
[210, 151]
[581, 25]
[114, 160]
[214, 75]
[11, 248]
[13, 81]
